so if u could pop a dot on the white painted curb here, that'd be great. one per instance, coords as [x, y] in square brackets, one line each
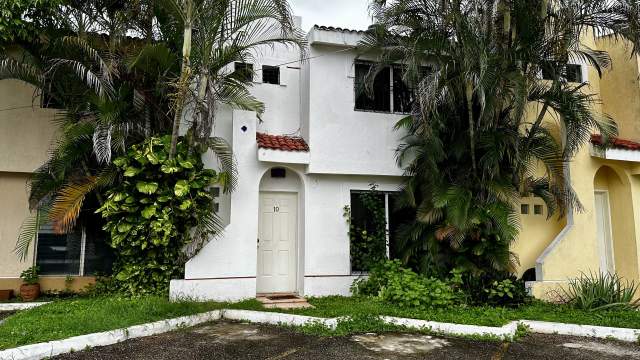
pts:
[601, 332]
[504, 332]
[53, 348]
[273, 318]
[20, 306]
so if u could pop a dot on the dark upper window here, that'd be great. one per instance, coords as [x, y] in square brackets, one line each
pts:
[271, 74]
[570, 72]
[573, 73]
[380, 98]
[84, 251]
[390, 92]
[243, 71]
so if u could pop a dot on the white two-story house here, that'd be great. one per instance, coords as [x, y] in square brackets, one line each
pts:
[320, 140]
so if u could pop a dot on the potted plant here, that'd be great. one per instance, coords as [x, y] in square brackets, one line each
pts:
[30, 289]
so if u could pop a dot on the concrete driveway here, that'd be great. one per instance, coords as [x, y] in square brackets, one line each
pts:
[226, 340]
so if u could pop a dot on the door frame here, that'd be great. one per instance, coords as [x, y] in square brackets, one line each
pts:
[296, 260]
[603, 244]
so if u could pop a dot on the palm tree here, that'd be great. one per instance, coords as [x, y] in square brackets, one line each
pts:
[115, 90]
[497, 115]
[226, 31]
[110, 93]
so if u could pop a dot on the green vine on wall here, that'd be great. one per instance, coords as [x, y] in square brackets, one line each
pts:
[368, 238]
[160, 208]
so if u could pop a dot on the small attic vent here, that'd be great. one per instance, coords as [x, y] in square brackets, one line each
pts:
[278, 173]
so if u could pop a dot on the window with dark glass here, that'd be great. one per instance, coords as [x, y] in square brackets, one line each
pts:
[569, 72]
[390, 91]
[403, 96]
[243, 71]
[573, 73]
[271, 74]
[380, 98]
[83, 251]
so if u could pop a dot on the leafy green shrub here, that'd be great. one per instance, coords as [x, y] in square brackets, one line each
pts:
[379, 276]
[392, 283]
[410, 290]
[497, 288]
[600, 291]
[30, 276]
[160, 207]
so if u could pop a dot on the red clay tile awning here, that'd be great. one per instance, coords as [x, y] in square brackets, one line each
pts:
[281, 142]
[615, 143]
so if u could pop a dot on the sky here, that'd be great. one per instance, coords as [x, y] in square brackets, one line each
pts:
[351, 14]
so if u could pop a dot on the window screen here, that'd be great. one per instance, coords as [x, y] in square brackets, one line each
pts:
[271, 74]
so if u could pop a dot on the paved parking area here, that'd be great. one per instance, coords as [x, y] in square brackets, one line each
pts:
[227, 340]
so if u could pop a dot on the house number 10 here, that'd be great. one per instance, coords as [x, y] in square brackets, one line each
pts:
[276, 208]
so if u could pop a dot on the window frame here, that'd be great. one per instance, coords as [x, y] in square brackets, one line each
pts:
[82, 255]
[392, 71]
[271, 67]
[580, 70]
[387, 216]
[250, 74]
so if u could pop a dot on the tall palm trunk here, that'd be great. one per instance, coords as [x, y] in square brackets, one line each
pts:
[185, 75]
[472, 132]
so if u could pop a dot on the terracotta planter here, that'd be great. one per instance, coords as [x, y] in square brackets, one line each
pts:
[5, 295]
[29, 292]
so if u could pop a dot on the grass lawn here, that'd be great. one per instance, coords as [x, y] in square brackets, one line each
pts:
[488, 316]
[72, 317]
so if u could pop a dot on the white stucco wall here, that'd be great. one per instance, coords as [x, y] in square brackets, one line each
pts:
[349, 151]
[343, 140]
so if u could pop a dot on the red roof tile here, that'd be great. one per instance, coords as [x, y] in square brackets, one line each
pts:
[281, 142]
[615, 143]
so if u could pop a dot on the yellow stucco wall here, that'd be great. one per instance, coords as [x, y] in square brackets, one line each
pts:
[49, 283]
[14, 209]
[620, 87]
[537, 232]
[26, 134]
[579, 251]
[26, 130]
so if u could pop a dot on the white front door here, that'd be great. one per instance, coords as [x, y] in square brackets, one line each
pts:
[277, 232]
[605, 238]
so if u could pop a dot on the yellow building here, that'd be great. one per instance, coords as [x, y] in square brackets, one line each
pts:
[26, 134]
[605, 235]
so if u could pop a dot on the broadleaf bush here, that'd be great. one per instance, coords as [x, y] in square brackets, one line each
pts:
[394, 284]
[157, 210]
